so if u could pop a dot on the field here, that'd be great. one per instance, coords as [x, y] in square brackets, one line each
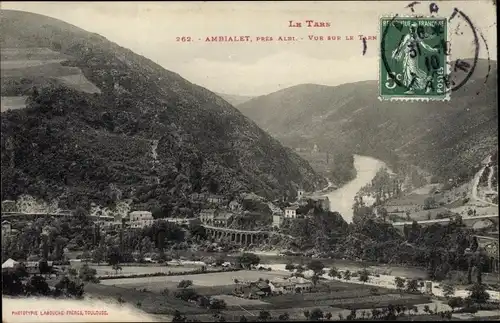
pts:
[13, 102]
[212, 283]
[41, 63]
[335, 297]
[106, 270]
[80, 82]
[18, 64]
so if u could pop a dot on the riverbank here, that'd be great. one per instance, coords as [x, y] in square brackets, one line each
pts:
[342, 199]
[384, 280]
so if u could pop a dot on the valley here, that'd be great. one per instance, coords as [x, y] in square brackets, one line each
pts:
[130, 191]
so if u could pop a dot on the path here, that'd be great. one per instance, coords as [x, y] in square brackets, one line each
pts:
[154, 156]
[490, 179]
[475, 185]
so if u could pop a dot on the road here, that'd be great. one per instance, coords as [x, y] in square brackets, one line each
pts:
[475, 184]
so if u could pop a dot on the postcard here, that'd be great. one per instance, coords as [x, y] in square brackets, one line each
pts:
[249, 161]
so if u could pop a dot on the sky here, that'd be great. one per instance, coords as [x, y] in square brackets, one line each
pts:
[261, 67]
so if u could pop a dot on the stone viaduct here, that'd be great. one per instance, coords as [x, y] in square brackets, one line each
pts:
[242, 237]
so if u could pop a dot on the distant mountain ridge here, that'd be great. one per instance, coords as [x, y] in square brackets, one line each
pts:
[442, 137]
[148, 134]
[235, 99]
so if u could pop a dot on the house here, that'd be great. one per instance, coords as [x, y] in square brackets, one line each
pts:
[140, 219]
[222, 219]
[215, 199]
[255, 290]
[198, 197]
[181, 221]
[301, 284]
[9, 263]
[6, 227]
[234, 205]
[291, 212]
[9, 206]
[277, 220]
[300, 194]
[290, 285]
[207, 216]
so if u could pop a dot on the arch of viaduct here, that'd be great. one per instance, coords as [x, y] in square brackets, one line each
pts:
[243, 237]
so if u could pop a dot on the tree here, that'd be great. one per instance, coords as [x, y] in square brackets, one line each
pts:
[426, 309]
[448, 290]
[98, 254]
[217, 304]
[429, 203]
[88, 274]
[400, 283]
[243, 319]
[11, 283]
[116, 268]
[333, 272]
[284, 317]
[178, 317]
[316, 314]
[317, 267]
[328, 316]
[289, 267]
[364, 275]
[185, 283]
[264, 316]
[113, 256]
[412, 286]
[455, 302]
[478, 294]
[247, 260]
[37, 285]
[306, 314]
[347, 275]
[43, 267]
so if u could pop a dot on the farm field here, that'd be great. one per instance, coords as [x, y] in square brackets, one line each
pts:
[79, 81]
[239, 301]
[152, 303]
[13, 102]
[45, 70]
[15, 64]
[137, 270]
[207, 280]
[35, 53]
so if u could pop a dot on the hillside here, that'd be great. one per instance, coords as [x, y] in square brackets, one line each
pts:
[120, 126]
[445, 138]
[234, 99]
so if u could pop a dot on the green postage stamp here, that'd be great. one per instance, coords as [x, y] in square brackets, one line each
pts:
[414, 59]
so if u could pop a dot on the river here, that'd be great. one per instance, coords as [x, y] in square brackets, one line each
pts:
[342, 199]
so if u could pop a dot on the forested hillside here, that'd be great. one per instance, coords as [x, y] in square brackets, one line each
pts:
[148, 134]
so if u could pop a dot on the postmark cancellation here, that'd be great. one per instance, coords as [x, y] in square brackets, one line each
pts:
[414, 58]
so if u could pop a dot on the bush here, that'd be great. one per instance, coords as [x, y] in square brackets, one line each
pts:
[185, 283]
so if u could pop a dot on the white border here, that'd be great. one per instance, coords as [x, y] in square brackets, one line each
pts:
[408, 98]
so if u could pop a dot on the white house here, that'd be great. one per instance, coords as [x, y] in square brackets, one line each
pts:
[234, 205]
[207, 216]
[6, 227]
[140, 219]
[291, 212]
[290, 285]
[222, 219]
[215, 199]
